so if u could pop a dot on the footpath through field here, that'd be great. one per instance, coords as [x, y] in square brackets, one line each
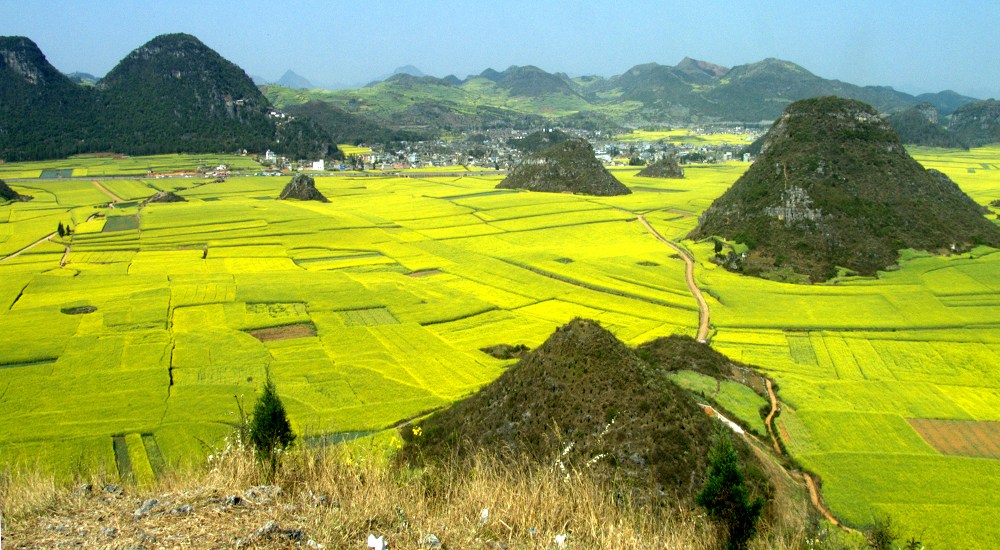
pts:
[32, 245]
[814, 495]
[703, 319]
[114, 198]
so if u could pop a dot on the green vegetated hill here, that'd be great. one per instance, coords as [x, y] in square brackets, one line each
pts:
[691, 91]
[567, 167]
[584, 400]
[920, 125]
[538, 141]
[977, 123]
[173, 94]
[835, 187]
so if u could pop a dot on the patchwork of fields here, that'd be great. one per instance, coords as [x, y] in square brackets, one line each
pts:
[373, 308]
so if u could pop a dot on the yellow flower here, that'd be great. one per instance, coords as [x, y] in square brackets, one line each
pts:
[418, 431]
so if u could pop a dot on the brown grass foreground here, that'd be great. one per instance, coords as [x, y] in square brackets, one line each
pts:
[335, 497]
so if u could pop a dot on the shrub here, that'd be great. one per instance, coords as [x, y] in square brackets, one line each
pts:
[725, 496]
[270, 432]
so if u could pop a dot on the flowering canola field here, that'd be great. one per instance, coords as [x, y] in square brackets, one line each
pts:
[134, 339]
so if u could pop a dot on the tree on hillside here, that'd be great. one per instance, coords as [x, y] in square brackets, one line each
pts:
[270, 431]
[725, 494]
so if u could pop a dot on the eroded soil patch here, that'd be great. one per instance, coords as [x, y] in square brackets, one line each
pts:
[286, 332]
[960, 437]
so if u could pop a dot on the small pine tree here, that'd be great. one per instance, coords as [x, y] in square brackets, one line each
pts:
[270, 432]
[725, 494]
[61, 230]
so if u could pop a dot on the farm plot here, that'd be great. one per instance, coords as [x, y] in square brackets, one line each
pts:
[880, 376]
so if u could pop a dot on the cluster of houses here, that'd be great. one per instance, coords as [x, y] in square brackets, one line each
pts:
[496, 149]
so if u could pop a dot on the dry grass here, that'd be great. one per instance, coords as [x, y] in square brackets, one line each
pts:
[337, 496]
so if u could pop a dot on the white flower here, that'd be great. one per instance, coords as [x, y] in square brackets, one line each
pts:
[561, 540]
[378, 543]
[484, 516]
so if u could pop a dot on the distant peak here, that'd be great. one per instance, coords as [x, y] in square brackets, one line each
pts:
[408, 69]
[711, 69]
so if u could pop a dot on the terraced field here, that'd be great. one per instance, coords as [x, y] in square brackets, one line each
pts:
[373, 308]
[365, 311]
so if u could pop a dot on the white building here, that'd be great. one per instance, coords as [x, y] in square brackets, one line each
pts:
[319, 165]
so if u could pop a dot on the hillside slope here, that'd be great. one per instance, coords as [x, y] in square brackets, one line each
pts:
[835, 187]
[173, 94]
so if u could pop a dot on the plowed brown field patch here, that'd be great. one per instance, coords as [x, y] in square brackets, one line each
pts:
[960, 437]
[287, 332]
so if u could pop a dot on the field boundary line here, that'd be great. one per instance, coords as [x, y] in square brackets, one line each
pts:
[32, 245]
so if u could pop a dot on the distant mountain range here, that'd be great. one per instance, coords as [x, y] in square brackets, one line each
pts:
[692, 91]
[173, 94]
[176, 94]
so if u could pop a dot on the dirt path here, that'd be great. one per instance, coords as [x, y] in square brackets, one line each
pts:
[32, 245]
[703, 314]
[770, 415]
[114, 198]
[810, 483]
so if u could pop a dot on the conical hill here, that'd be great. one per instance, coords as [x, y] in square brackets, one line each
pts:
[833, 187]
[584, 400]
[567, 167]
[666, 167]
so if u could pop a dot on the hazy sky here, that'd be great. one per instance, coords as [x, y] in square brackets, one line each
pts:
[911, 45]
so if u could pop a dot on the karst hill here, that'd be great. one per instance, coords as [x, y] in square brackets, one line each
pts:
[586, 400]
[834, 187]
[567, 167]
[171, 94]
[666, 167]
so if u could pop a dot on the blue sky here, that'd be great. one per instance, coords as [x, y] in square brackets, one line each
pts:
[914, 46]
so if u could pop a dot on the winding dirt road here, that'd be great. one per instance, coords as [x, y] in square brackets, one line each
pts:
[814, 495]
[703, 314]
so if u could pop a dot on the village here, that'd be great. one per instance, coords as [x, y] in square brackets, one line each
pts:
[497, 150]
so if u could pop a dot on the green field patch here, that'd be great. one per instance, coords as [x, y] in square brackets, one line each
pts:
[156, 460]
[120, 223]
[286, 332]
[39, 363]
[370, 317]
[476, 195]
[122, 458]
[78, 310]
[51, 174]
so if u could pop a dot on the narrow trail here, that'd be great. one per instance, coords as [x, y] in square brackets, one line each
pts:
[770, 415]
[32, 245]
[703, 313]
[814, 495]
[114, 198]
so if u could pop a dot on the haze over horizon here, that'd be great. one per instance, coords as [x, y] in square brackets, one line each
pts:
[913, 46]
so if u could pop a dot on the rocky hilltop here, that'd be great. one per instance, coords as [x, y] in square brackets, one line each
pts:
[171, 94]
[585, 400]
[303, 188]
[568, 167]
[666, 167]
[835, 187]
[921, 125]
[977, 123]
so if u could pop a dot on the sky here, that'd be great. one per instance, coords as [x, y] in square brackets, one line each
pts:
[914, 46]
